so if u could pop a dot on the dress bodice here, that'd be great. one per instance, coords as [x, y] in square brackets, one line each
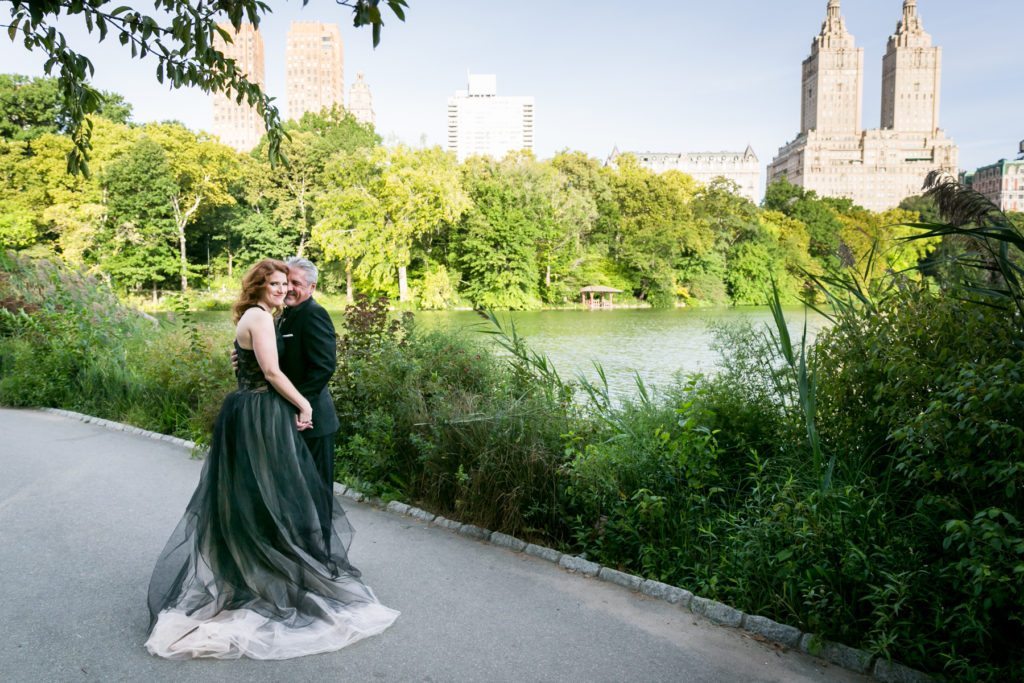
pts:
[248, 373]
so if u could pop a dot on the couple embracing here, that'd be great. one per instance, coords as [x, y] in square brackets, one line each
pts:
[258, 565]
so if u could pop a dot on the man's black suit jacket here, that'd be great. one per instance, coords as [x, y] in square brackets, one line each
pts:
[308, 358]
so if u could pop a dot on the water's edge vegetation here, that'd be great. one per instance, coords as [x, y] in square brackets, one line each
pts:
[866, 487]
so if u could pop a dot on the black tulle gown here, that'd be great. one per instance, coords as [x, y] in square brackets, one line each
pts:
[248, 570]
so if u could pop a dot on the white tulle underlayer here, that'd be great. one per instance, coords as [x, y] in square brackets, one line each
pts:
[231, 634]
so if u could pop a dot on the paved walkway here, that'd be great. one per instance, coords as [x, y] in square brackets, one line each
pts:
[84, 511]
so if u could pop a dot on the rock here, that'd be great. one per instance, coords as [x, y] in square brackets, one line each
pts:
[663, 591]
[447, 523]
[837, 653]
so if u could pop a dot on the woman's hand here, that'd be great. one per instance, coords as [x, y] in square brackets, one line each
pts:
[304, 420]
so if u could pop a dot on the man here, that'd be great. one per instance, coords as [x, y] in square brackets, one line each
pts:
[308, 359]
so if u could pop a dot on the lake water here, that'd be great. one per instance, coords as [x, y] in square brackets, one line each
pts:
[655, 344]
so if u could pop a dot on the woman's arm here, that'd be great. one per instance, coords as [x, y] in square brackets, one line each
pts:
[260, 325]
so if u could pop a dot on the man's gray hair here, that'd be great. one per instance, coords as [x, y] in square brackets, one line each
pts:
[306, 266]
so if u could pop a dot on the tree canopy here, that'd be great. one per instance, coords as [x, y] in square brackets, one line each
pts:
[169, 209]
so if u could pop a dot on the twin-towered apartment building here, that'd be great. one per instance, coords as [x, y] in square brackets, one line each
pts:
[315, 79]
[876, 168]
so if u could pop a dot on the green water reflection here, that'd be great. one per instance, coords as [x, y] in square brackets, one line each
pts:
[655, 344]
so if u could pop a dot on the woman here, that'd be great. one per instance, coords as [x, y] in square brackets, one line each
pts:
[248, 570]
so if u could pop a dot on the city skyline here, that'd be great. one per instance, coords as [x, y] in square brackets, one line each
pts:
[672, 78]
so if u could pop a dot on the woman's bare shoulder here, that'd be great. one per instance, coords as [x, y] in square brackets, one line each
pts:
[255, 314]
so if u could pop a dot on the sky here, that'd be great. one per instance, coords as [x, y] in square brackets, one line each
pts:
[661, 75]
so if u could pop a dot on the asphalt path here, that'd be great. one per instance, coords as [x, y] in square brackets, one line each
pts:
[84, 512]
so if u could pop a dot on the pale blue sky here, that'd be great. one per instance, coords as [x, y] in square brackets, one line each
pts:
[660, 75]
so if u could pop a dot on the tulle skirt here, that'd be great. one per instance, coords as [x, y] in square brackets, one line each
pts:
[249, 570]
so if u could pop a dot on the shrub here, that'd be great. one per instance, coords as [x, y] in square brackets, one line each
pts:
[65, 341]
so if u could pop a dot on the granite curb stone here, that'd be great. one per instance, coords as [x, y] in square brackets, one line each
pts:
[841, 655]
[717, 612]
[400, 508]
[447, 523]
[894, 672]
[506, 541]
[422, 515]
[772, 630]
[543, 552]
[670, 594]
[630, 581]
[578, 564]
[473, 531]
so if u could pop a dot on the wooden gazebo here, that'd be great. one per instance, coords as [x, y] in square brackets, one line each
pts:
[593, 296]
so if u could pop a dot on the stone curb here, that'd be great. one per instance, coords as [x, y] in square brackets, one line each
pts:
[395, 506]
[893, 672]
[473, 531]
[623, 579]
[543, 552]
[120, 427]
[506, 541]
[421, 514]
[772, 630]
[578, 564]
[447, 523]
[716, 611]
[841, 655]
[670, 594]
[837, 653]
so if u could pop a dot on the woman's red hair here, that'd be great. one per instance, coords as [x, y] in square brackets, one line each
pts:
[253, 284]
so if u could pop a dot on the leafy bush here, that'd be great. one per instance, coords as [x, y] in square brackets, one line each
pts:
[435, 418]
[66, 341]
[642, 486]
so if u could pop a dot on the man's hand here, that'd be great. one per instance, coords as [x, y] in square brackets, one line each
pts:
[234, 359]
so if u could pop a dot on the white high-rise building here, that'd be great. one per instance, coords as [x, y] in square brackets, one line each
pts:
[360, 101]
[480, 122]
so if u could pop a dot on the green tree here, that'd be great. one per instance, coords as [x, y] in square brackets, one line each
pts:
[17, 225]
[414, 192]
[499, 244]
[30, 107]
[349, 213]
[655, 229]
[293, 191]
[203, 171]
[924, 206]
[137, 247]
[561, 248]
[818, 214]
[739, 252]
